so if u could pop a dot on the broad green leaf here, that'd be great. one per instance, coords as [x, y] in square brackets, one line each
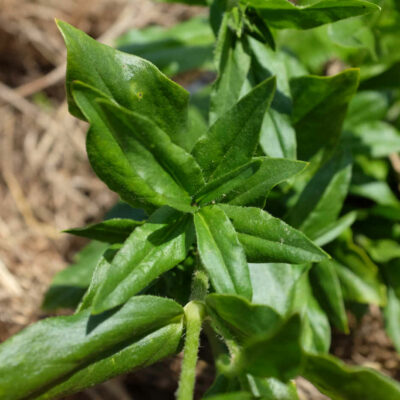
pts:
[278, 137]
[316, 332]
[375, 139]
[359, 276]
[140, 353]
[59, 348]
[231, 396]
[183, 47]
[271, 388]
[274, 285]
[331, 231]
[392, 317]
[387, 78]
[278, 354]
[233, 64]
[268, 239]
[282, 14]
[327, 289]
[321, 200]
[256, 188]
[119, 149]
[177, 162]
[221, 253]
[130, 81]
[100, 274]
[242, 318]
[354, 33]
[315, 100]
[226, 186]
[70, 284]
[366, 106]
[233, 138]
[381, 250]
[197, 127]
[114, 230]
[379, 192]
[151, 250]
[340, 381]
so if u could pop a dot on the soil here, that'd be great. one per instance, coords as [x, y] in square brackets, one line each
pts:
[47, 185]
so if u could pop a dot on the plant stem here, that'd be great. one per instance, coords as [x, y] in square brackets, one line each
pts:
[194, 314]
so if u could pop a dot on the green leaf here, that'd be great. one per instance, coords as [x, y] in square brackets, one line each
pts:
[271, 388]
[151, 250]
[231, 396]
[375, 139]
[321, 200]
[269, 239]
[183, 47]
[392, 317]
[233, 64]
[242, 318]
[233, 138]
[128, 80]
[70, 284]
[331, 231]
[366, 106]
[359, 276]
[226, 186]
[221, 253]
[114, 230]
[282, 14]
[256, 188]
[274, 285]
[315, 100]
[316, 332]
[119, 149]
[326, 287]
[278, 354]
[340, 381]
[65, 348]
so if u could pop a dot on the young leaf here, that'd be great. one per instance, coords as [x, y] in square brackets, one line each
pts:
[114, 230]
[151, 250]
[268, 239]
[242, 318]
[271, 388]
[340, 381]
[233, 138]
[70, 284]
[375, 139]
[57, 348]
[315, 100]
[231, 396]
[278, 354]
[392, 317]
[326, 287]
[183, 47]
[282, 14]
[254, 190]
[331, 231]
[174, 160]
[233, 64]
[122, 161]
[275, 285]
[321, 200]
[221, 253]
[218, 190]
[130, 81]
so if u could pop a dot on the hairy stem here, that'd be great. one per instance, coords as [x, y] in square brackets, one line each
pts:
[194, 314]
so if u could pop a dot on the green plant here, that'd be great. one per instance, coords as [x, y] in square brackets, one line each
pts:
[193, 244]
